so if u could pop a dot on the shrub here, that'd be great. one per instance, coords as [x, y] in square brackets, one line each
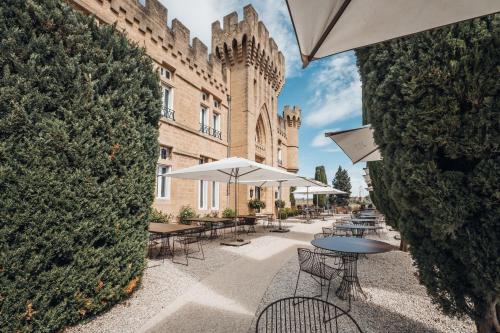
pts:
[256, 204]
[279, 203]
[78, 149]
[185, 213]
[434, 101]
[228, 213]
[159, 217]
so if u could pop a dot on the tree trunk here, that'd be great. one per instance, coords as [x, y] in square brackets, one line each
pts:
[403, 246]
[490, 322]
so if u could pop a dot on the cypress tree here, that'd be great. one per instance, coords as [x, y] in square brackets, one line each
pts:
[434, 101]
[342, 182]
[320, 175]
[79, 110]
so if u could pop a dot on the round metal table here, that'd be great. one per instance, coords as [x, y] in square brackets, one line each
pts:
[350, 248]
[357, 230]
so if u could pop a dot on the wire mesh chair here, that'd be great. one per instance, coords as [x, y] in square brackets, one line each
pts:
[304, 314]
[185, 240]
[328, 231]
[314, 264]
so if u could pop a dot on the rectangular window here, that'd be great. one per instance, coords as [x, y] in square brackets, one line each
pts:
[216, 121]
[215, 195]
[165, 152]
[203, 190]
[165, 73]
[163, 182]
[204, 96]
[204, 120]
[216, 104]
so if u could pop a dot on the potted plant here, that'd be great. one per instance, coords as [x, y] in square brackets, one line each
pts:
[279, 203]
[256, 204]
[185, 213]
[228, 213]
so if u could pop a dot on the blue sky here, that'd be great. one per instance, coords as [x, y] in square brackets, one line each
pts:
[328, 90]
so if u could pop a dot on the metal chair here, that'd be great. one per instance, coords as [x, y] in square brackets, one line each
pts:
[185, 240]
[304, 314]
[328, 231]
[314, 263]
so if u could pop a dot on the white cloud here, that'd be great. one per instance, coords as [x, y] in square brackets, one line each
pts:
[320, 140]
[198, 15]
[337, 91]
[332, 150]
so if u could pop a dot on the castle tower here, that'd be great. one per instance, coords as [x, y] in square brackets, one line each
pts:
[256, 69]
[292, 116]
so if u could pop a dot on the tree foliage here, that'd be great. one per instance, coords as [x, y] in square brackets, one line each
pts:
[433, 100]
[342, 182]
[78, 148]
[320, 175]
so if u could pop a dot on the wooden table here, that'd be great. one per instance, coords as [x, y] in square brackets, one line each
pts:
[350, 248]
[167, 230]
[210, 221]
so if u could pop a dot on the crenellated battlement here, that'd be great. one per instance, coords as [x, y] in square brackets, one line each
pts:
[248, 41]
[292, 115]
[151, 22]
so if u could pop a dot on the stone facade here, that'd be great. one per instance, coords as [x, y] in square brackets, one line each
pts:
[238, 82]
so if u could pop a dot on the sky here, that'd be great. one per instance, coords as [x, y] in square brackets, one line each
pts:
[328, 91]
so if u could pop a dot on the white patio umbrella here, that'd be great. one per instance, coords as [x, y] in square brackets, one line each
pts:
[232, 170]
[326, 27]
[357, 143]
[299, 181]
[317, 190]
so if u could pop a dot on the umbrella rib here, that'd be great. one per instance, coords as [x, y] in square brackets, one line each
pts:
[244, 174]
[328, 29]
[359, 159]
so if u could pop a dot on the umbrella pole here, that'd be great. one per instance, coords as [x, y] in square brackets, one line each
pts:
[307, 203]
[279, 206]
[236, 205]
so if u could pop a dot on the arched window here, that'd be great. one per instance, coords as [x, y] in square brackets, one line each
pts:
[260, 135]
[280, 153]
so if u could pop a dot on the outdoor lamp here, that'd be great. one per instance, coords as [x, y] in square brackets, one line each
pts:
[251, 193]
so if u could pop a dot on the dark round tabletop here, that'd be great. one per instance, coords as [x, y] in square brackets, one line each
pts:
[357, 226]
[352, 245]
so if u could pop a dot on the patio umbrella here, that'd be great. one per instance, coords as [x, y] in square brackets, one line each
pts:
[357, 143]
[232, 170]
[317, 190]
[326, 27]
[299, 181]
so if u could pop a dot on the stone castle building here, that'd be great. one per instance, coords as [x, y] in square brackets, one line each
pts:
[215, 105]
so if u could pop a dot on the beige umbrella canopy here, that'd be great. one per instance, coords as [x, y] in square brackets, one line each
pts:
[326, 27]
[357, 143]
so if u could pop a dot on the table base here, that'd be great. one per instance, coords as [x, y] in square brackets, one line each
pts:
[235, 243]
[350, 288]
[279, 230]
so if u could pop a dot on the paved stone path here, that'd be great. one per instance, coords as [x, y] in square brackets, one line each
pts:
[227, 299]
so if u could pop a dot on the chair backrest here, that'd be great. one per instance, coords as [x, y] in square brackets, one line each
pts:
[304, 314]
[308, 260]
[321, 235]
[327, 230]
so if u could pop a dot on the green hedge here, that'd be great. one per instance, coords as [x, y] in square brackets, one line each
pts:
[434, 101]
[79, 108]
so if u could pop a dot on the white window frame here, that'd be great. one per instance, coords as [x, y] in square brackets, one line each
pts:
[280, 156]
[215, 195]
[216, 121]
[202, 197]
[204, 111]
[170, 96]
[165, 73]
[164, 180]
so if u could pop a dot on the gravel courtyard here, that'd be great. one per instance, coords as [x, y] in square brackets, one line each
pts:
[226, 291]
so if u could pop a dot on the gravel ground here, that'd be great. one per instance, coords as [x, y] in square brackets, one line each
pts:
[396, 301]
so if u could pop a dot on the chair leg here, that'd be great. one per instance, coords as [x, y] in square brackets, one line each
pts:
[200, 246]
[296, 284]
